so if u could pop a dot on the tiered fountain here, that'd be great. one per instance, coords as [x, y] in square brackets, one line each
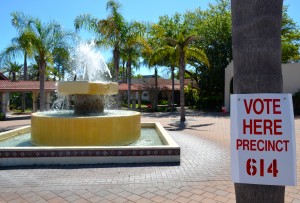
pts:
[88, 125]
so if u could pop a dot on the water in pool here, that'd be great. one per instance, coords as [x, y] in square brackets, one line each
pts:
[149, 137]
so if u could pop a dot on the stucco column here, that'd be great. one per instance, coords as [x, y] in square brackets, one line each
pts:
[152, 98]
[139, 99]
[5, 102]
[133, 99]
[68, 104]
[47, 101]
[34, 101]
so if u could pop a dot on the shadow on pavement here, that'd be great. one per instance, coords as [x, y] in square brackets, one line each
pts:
[178, 126]
[188, 113]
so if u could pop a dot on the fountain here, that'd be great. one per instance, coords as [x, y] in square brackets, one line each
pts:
[89, 131]
[89, 125]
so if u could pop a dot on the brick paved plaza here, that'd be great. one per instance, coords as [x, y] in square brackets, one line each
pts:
[202, 176]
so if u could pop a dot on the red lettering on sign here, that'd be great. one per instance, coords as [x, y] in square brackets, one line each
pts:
[276, 106]
[258, 106]
[252, 167]
[248, 107]
[277, 126]
[262, 126]
[262, 145]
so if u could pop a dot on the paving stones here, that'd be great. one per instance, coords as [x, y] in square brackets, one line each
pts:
[202, 176]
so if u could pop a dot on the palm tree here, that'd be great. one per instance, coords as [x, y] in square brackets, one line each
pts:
[33, 72]
[12, 69]
[43, 38]
[178, 51]
[131, 48]
[109, 31]
[19, 46]
[175, 39]
[183, 50]
[61, 58]
[166, 56]
[257, 69]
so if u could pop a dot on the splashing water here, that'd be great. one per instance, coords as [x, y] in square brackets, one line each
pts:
[61, 102]
[90, 64]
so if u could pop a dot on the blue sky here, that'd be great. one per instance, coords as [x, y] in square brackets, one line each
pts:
[65, 11]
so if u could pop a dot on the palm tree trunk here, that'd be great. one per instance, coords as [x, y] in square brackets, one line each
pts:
[14, 76]
[24, 78]
[181, 77]
[116, 55]
[256, 34]
[155, 102]
[42, 71]
[173, 86]
[124, 73]
[128, 64]
[25, 66]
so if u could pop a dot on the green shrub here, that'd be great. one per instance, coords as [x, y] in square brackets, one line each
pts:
[144, 102]
[211, 103]
[163, 102]
[2, 116]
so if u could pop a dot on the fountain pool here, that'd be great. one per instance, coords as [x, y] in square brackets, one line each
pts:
[166, 152]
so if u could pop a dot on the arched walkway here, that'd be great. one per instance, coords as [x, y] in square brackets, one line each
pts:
[6, 87]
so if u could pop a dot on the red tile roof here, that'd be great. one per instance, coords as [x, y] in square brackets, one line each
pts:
[136, 87]
[7, 85]
[141, 84]
[149, 84]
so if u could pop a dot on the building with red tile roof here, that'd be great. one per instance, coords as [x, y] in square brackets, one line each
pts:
[7, 86]
[141, 89]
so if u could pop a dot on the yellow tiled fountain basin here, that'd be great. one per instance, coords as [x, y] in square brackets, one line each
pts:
[168, 152]
[86, 87]
[111, 129]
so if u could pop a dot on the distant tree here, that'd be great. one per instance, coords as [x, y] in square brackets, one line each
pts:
[131, 49]
[290, 38]
[12, 69]
[61, 61]
[214, 25]
[178, 47]
[19, 46]
[33, 72]
[137, 76]
[182, 48]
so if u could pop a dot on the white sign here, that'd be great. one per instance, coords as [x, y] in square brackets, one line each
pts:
[263, 146]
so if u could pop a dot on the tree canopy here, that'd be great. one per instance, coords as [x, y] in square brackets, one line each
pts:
[197, 43]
